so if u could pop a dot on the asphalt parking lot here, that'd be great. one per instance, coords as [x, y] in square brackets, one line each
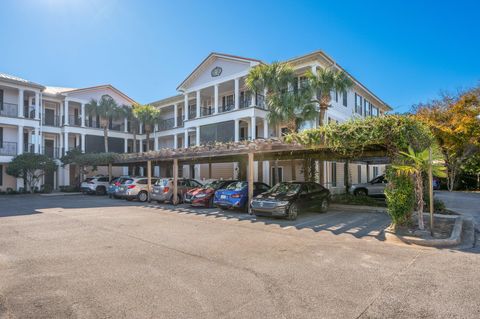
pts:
[93, 257]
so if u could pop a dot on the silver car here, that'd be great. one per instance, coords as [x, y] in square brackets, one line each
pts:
[135, 188]
[163, 189]
[376, 187]
[97, 184]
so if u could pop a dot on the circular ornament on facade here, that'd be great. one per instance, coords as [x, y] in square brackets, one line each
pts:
[216, 71]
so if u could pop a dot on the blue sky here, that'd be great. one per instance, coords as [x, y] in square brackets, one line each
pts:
[404, 51]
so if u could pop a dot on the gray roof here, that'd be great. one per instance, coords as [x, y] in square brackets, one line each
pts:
[17, 80]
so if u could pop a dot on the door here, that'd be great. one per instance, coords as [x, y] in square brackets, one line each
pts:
[49, 117]
[280, 175]
[49, 149]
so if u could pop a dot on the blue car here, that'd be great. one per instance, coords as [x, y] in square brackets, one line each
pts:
[114, 184]
[235, 195]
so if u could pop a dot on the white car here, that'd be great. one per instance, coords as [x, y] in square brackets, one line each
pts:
[376, 187]
[95, 185]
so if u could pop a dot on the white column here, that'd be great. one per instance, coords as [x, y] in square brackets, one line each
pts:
[237, 93]
[65, 111]
[156, 171]
[265, 128]
[185, 101]
[155, 139]
[175, 115]
[82, 142]
[266, 172]
[20, 103]
[37, 140]
[237, 130]
[125, 145]
[185, 139]
[65, 142]
[175, 141]
[253, 126]
[37, 105]
[82, 115]
[252, 99]
[142, 173]
[140, 148]
[140, 128]
[198, 103]
[215, 96]
[20, 140]
[125, 125]
[197, 136]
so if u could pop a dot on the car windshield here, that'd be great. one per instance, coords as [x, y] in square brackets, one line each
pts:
[285, 188]
[238, 186]
[213, 185]
[128, 181]
[162, 182]
[88, 179]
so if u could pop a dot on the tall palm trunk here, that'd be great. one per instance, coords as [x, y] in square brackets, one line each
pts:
[147, 133]
[419, 196]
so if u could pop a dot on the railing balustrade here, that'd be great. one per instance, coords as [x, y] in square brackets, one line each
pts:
[8, 148]
[8, 109]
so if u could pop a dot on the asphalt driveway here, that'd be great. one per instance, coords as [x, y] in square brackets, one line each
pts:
[92, 257]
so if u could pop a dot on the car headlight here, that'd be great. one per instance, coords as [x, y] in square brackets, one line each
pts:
[283, 203]
[200, 195]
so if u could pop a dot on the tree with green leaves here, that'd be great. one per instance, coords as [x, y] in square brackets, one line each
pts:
[31, 168]
[134, 124]
[417, 164]
[107, 110]
[149, 115]
[324, 82]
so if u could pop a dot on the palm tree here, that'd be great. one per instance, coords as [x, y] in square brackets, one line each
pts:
[134, 124]
[106, 109]
[149, 116]
[417, 164]
[286, 105]
[324, 82]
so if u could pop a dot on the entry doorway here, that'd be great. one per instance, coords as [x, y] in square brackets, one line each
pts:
[280, 175]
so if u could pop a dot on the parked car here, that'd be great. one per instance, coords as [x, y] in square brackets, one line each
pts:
[376, 187]
[135, 188]
[95, 185]
[115, 184]
[235, 195]
[203, 196]
[287, 199]
[163, 189]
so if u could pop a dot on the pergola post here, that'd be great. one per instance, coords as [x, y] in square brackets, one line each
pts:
[175, 181]
[250, 178]
[346, 179]
[149, 177]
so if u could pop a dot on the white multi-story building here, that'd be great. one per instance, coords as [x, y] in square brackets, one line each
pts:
[213, 105]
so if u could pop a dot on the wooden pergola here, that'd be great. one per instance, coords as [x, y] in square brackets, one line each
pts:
[249, 151]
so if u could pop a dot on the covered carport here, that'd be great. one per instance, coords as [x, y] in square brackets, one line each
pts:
[246, 152]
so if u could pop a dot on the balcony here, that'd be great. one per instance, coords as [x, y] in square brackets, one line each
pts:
[8, 148]
[180, 121]
[166, 124]
[28, 148]
[226, 108]
[206, 111]
[116, 127]
[92, 123]
[74, 120]
[51, 120]
[8, 109]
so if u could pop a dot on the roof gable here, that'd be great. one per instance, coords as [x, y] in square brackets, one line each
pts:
[96, 92]
[216, 66]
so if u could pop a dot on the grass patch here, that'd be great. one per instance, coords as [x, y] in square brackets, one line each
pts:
[348, 199]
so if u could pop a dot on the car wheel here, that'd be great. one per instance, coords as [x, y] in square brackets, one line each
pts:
[100, 190]
[292, 212]
[361, 192]
[142, 196]
[324, 206]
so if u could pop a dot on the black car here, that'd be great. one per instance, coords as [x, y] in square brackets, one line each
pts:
[287, 199]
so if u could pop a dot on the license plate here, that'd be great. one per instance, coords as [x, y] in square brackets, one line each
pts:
[223, 196]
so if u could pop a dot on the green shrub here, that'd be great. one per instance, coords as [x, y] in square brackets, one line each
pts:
[400, 197]
[349, 199]
[46, 188]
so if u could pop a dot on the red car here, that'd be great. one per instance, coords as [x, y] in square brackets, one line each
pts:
[203, 196]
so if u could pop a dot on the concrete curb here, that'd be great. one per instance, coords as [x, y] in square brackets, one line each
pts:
[454, 239]
[360, 207]
[61, 194]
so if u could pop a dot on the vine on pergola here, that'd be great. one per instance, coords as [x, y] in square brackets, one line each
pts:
[394, 133]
